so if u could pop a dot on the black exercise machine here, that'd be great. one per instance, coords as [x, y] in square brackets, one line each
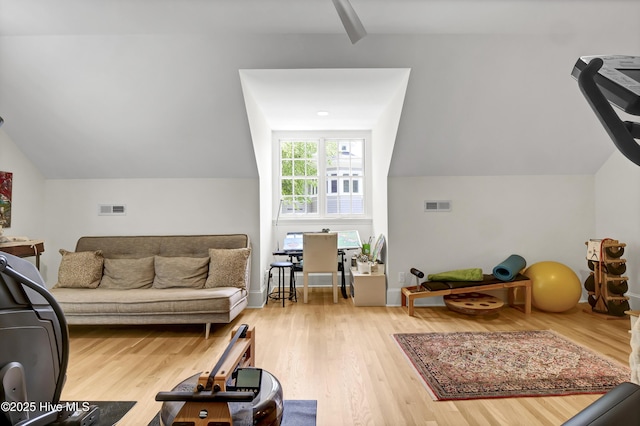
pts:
[34, 352]
[606, 80]
[613, 79]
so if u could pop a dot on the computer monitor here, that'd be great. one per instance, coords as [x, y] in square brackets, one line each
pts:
[293, 241]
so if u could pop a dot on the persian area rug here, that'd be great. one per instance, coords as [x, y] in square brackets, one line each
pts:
[477, 365]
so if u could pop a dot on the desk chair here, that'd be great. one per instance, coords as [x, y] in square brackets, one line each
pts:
[320, 255]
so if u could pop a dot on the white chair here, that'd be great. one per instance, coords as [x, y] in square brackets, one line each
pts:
[320, 255]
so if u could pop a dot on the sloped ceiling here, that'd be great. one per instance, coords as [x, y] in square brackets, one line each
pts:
[353, 99]
[138, 89]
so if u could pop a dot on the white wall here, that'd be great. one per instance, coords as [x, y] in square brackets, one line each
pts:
[617, 210]
[261, 138]
[28, 191]
[154, 207]
[537, 217]
[383, 138]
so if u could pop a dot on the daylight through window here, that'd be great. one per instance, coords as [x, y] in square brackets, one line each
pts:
[322, 177]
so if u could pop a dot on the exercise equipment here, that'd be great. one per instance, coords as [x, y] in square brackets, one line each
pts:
[445, 288]
[508, 269]
[613, 79]
[556, 288]
[34, 353]
[473, 303]
[234, 392]
[469, 274]
[605, 284]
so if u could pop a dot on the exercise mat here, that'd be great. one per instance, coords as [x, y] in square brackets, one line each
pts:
[470, 274]
[508, 269]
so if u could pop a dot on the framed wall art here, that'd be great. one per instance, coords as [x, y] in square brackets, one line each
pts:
[6, 182]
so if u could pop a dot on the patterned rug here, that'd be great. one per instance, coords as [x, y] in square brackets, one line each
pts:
[476, 365]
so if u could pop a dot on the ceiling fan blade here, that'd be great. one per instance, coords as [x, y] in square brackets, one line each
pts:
[349, 17]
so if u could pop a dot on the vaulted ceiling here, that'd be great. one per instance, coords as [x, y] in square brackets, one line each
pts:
[139, 88]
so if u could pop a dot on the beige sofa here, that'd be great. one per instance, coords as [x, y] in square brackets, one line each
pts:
[155, 279]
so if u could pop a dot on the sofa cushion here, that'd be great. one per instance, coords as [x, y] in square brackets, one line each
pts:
[147, 301]
[228, 268]
[185, 272]
[126, 274]
[80, 269]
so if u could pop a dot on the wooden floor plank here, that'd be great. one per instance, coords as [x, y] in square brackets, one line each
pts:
[338, 354]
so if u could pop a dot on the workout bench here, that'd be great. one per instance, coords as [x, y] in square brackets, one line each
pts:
[444, 288]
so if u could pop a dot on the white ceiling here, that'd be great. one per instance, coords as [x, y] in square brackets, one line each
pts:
[66, 17]
[151, 88]
[354, 99]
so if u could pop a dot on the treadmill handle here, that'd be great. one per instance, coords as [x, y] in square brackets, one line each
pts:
[616, 128]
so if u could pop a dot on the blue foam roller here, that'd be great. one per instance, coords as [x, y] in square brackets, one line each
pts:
[509, 268]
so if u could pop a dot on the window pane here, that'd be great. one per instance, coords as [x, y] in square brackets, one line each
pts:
[299, 150]
[299, 168]
[312, 168]
[311, 149]
[312, 186]
[299, 186]
[286, 150]
[344, 159]
[331, 149]
[287, 168]
[286, 187]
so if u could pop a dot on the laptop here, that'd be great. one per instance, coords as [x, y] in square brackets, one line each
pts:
[292, 241]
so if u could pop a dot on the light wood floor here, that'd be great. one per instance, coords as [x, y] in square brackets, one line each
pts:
[340, 355]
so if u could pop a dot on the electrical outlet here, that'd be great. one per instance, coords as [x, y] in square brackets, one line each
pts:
[401, 277]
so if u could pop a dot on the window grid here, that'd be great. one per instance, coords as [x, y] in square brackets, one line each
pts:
[337, 165]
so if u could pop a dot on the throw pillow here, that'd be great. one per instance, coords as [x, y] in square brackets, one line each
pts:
[228, 268]
[128, 273]
[80, 270]
[189, 272]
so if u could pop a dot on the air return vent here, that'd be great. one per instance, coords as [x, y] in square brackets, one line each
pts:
[437, 206]
[112, 209]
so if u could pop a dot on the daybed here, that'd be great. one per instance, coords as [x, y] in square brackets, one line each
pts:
[155, 279]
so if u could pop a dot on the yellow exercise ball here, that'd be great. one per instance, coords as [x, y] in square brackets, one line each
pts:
[555, 287]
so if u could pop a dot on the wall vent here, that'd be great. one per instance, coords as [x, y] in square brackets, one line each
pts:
[437, 206]
[112, 209]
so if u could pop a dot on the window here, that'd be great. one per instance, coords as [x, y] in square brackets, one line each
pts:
[321, 177]
[299, 176]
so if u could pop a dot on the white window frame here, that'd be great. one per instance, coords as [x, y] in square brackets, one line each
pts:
[365, 181]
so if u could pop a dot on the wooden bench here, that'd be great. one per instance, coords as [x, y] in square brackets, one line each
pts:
[443, 288]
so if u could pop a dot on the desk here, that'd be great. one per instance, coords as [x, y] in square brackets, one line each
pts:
[298, 254]
[24, 249]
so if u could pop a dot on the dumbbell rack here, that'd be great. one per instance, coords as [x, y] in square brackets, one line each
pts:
[606, 285]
